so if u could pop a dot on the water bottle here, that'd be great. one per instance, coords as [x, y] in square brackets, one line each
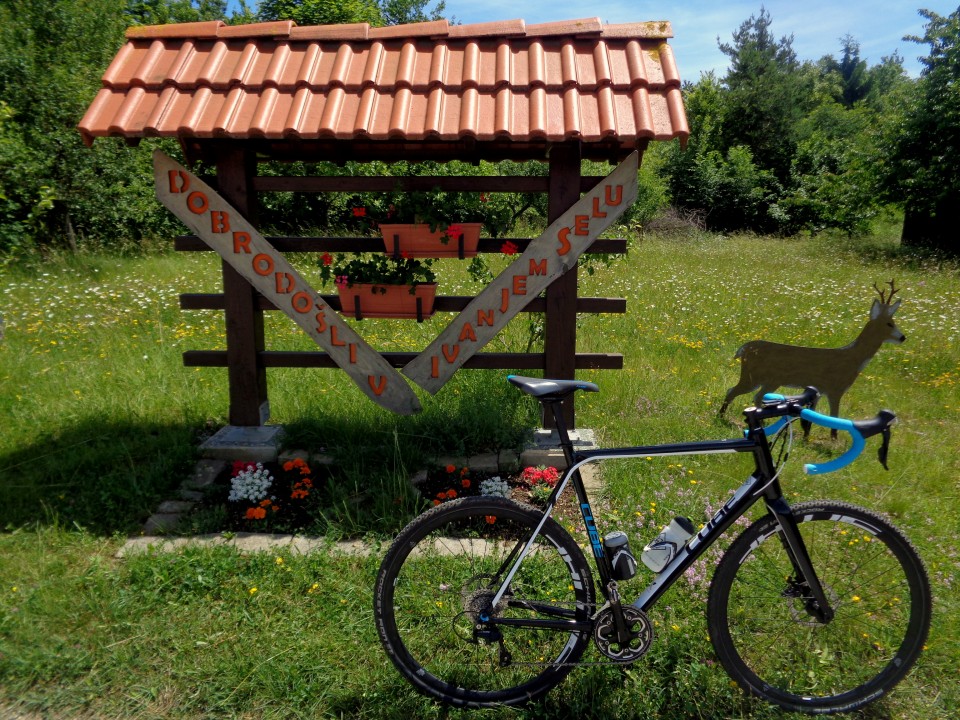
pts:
[664, 548]
[621, 559]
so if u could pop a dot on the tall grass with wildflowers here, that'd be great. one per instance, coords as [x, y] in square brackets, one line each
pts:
[103, 420]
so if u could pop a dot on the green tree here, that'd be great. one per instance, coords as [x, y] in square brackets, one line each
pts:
[855, 77]
[52, 187]
[332, 12]
[766, 96]
[924, 164]
[162, 12]
[321, 12]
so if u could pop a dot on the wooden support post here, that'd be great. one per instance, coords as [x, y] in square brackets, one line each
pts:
[249, 404]
[560, 340]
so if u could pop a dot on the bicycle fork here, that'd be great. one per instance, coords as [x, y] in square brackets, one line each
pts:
[805, 583]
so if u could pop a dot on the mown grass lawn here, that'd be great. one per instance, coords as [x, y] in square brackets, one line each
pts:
[101, 422]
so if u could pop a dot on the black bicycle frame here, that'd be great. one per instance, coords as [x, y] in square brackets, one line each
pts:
[763, 483]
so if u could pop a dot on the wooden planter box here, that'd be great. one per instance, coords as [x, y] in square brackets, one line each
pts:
[368, 300]
[417, 241]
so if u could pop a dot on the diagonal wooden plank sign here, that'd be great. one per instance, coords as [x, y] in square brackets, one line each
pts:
[225, 230]
[545, 259]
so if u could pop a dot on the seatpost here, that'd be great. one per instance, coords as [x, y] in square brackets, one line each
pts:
[556, 407]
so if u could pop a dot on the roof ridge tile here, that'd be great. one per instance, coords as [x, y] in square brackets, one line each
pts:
[275, 28]
[206, 30]
[431, 28]
[348, 32]
[584, 26]
[650, 30]
[497, 28]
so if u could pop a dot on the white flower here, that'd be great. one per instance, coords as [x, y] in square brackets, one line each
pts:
[495, 486]
[250, 484]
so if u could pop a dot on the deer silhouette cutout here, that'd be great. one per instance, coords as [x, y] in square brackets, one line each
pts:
[766, 366]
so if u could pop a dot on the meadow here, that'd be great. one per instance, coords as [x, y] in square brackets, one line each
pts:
[101, 422]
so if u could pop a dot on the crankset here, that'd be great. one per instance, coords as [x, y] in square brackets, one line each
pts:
[605, 634]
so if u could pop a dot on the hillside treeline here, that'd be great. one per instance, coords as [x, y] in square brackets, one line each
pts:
[777, 145]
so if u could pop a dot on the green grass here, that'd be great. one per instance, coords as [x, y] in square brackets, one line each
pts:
[101, 422]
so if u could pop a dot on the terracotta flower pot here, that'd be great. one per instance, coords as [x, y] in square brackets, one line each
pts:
[417, 241]
[369, 300]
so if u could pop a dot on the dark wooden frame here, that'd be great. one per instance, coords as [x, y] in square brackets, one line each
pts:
[246, 357]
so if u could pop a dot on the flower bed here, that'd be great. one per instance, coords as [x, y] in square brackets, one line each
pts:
[532, 486]
[266, 497]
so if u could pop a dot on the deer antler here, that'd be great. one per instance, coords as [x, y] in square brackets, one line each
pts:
[884, 298]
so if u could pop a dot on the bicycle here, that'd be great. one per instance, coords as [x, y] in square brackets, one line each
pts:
[821, 607]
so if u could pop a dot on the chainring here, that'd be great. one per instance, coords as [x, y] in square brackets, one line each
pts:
[605, 634]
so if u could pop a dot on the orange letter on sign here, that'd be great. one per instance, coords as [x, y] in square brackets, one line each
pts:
[219, 221]
[519, 284]
[321, 322]
[197, 202]
[302, 302]
[611, 200]
[467, 334]
[179, 181]
[241, 241]
[538, 268]
[450, 354]
[263, 264]
[505, 298]
[377, 387]
[484, 317]
[564, 243]
[581, 225]
[285, 283]
[596, 209]
[334, 337]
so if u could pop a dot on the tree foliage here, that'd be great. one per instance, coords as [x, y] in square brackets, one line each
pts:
[330, 12]
[782, 146]
[924, 165]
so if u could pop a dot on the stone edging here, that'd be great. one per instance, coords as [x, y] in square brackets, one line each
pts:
[543, 451]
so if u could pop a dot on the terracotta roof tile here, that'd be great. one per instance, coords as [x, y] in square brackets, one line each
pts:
[577, 79]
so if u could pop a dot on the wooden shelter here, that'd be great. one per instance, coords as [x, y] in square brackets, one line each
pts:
[236, 95]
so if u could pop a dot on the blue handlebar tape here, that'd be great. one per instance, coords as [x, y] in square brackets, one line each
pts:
[773, 397]
[834, 424]
[773, 429]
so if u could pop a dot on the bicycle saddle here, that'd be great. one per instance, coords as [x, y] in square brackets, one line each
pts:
[545, 389]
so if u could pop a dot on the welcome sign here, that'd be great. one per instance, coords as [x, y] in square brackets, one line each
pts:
[226, 231]
[544, 260]
[547, 257]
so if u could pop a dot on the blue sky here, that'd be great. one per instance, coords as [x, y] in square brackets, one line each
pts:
[817, 25]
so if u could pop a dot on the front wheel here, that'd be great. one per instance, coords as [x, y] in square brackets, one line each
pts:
[769, 640]
[434, 610]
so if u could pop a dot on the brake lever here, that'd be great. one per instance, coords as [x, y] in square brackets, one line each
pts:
[884, 448]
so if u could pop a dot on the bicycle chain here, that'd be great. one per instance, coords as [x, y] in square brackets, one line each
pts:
[595, 611]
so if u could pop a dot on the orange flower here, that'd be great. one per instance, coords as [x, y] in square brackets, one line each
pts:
[359, 212]
[255, 513]
[465, 482]
[436, 502]
[464, 471]
[451, 468]
[491, 519]
[451, 494]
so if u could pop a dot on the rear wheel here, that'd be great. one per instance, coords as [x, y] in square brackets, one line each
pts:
[772, 644]
[433, 603]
